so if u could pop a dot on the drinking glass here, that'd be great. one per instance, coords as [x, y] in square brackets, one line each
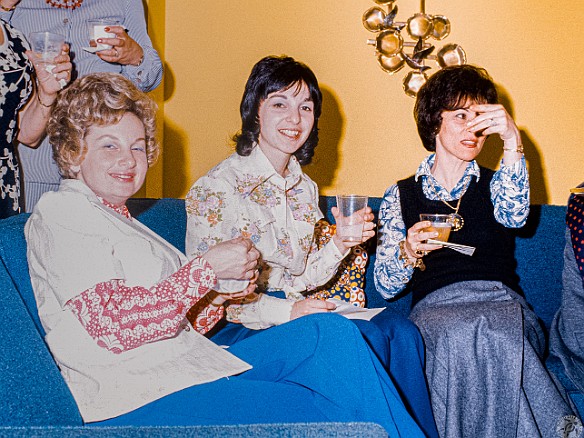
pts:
[350, 221]
[97, 30]
[441, 223]
[46, 46]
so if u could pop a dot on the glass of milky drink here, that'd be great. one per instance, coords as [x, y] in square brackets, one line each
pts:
[442, 223]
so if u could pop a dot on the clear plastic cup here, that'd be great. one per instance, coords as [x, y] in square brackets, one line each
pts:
[46, 46]
[350, 220]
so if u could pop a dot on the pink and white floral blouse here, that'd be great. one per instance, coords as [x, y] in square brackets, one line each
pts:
[245, 196]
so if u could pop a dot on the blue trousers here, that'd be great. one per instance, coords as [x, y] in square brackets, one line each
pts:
[398, 345]
[316, 368]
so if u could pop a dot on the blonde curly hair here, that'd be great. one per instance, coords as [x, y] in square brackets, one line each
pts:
[97, 99]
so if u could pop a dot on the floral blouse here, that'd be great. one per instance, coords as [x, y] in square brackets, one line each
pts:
[245, 196]
[509, 195]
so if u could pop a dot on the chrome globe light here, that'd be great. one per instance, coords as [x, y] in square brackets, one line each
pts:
[393, 53]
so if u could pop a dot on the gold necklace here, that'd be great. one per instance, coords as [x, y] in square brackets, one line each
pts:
[457, 219]
[66, 4]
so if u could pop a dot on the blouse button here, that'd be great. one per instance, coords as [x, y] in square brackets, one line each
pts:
[187, 329]
[66, 21]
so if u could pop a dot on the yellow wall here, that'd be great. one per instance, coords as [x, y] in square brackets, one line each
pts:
[155, 13]
[368, 137]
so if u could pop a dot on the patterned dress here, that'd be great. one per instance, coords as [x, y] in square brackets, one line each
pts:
[16, 87]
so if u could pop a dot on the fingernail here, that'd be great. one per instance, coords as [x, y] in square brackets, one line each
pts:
[106, 29]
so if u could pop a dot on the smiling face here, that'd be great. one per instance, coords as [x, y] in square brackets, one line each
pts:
[454, 140]
[286, 120]
[115, 164]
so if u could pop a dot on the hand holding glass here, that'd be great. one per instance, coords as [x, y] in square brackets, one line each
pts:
[350, 220]
[441, 223]
[97, 31]
[46, 46]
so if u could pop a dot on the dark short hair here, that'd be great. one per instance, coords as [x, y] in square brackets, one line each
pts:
[447, 90]
[271, 74]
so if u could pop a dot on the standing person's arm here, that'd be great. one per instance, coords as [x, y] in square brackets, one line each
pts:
[148, 74]
[33, 117]
[132, 49]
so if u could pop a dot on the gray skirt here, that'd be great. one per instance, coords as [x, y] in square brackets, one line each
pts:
[483, 363]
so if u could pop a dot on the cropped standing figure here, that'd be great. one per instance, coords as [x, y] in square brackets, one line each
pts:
[567, 330]
[28, 93]
[112, 297]
[261, 192]
[131, 54]
[484, 345]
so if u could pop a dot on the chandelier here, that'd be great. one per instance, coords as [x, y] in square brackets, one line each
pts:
[393, 53]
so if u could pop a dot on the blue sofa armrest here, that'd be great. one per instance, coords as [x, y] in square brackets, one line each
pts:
[32, 391]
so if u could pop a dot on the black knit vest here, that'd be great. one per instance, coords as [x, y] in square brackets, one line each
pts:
[493, 258]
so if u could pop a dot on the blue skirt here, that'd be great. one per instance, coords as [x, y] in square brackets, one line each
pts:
[316, 368]
[398, 345]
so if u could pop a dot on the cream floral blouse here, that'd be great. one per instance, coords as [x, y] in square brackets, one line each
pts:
[245, 196]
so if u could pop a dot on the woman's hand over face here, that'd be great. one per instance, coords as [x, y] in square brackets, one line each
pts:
[368, 228]
[494, 119]
[308, 306]
[235, 259]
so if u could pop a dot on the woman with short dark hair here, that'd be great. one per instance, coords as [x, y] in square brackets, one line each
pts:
[484, 345]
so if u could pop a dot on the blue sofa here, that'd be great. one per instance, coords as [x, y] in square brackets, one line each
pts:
[34, 400]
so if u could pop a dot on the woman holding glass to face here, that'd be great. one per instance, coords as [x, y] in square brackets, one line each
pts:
[113, 296]
[261, 192]
[484, 345]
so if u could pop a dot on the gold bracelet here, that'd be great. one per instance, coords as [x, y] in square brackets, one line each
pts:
[519, 149]
[42, 104]
[419, 263]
